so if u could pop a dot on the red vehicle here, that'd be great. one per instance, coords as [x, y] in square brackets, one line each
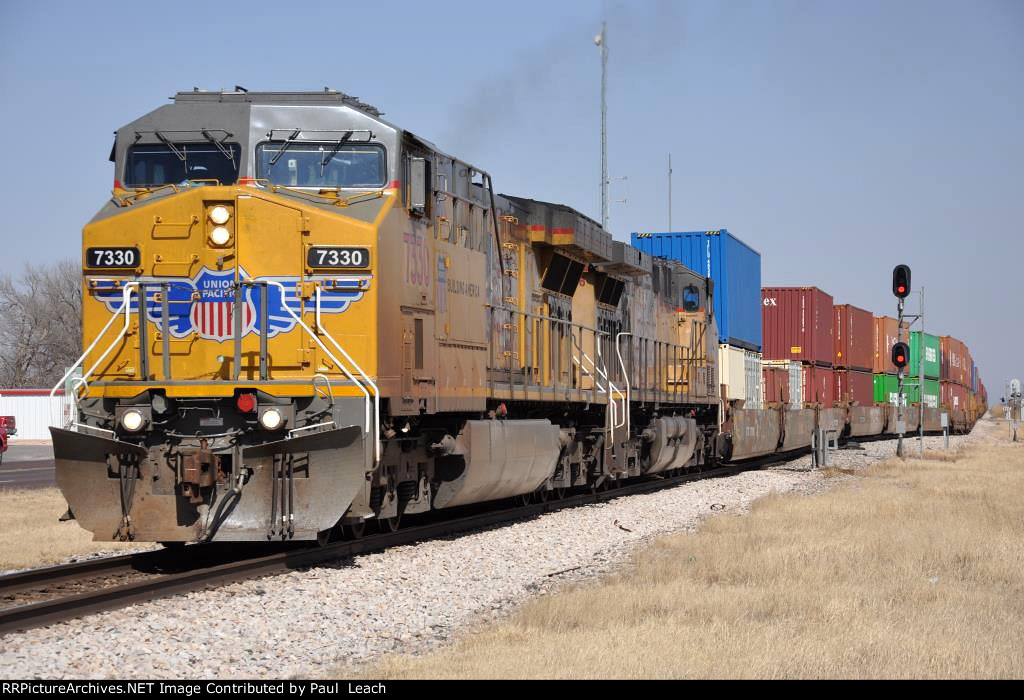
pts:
[8, 426]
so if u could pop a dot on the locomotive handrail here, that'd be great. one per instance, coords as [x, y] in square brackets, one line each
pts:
[603, 370]
[340, 364]
[126, 307]
[376, 391]
[625, 373]
[601, 373]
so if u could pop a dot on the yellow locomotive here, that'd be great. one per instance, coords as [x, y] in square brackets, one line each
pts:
[300, 318]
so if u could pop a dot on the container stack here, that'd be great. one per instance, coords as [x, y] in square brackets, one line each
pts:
[735, 269]
[797, 324]
[853, 340]
[929, 354]
[886, 386]
[956, 374]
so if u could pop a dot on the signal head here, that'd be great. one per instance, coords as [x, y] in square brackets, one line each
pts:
[900, 355]
[901, 281]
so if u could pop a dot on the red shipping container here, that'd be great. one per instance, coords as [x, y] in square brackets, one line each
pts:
[797, 325]
[819, 386]
[854, 387]
[953, 396]
[776, 385]
[886, 335]
[853, 334]
[954, 361]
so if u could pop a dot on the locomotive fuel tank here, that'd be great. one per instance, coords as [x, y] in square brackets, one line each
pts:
[492, 459]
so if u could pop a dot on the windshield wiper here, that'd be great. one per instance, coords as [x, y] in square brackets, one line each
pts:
[284, 146]
[337, 147]
[174, 149]
[220, 145]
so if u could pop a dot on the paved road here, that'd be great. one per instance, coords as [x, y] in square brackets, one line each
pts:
[27, 467]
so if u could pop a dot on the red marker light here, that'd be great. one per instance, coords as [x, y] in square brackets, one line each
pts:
[901, 289]
[246, 403]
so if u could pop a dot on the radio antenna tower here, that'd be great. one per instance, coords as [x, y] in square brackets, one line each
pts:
[601, 41]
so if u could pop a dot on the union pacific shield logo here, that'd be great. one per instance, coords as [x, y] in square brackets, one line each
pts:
[213, 315]
[204, 305]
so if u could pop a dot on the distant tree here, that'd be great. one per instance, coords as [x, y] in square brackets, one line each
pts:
[40, 324]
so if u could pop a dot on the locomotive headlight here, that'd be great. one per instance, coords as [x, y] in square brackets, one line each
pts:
[220, 215]
[220, 236]
[132, 420]
[271, 419]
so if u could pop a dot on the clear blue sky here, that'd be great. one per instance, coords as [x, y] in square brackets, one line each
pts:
[836, 137]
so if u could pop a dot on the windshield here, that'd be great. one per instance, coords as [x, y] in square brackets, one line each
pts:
[328, 164]
[159, 164]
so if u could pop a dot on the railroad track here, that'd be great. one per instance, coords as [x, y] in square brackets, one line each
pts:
[161, 573]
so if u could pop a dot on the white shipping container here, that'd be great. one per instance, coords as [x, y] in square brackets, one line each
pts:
[740, 371]
[732, 371]
[754, 379]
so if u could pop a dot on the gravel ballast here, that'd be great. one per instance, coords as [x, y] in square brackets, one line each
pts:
[407, 599]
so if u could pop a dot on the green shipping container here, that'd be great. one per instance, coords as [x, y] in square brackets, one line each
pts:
[931, 355]
[886, 389]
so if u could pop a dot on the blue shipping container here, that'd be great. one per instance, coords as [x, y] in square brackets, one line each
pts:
[735, 268]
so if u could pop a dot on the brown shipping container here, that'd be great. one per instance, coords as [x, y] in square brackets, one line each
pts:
[853, 387]
[797, 325]
[819, 386]
[853, 337]
[885, 338]
[776, 385]
[953, 361]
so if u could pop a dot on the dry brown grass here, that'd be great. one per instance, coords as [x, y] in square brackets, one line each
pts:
[30, 534]
[916, 570]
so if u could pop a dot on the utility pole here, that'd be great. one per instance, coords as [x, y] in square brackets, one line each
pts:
[922, 353]
[670, 192]
[601, 41]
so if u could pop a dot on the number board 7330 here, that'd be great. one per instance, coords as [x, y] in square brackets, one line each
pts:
[335, 257]
[112, 257]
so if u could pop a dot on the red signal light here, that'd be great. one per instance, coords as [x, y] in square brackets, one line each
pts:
[900, 352]
[246, 403]
[901, 281]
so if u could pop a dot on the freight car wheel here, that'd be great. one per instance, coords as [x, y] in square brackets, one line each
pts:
[560, 492]
[176, 547]
[389, 524]
[324, 537]
[354, 531]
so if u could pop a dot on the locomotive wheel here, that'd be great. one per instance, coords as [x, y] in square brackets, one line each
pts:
[389, 524]
[355, 531]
